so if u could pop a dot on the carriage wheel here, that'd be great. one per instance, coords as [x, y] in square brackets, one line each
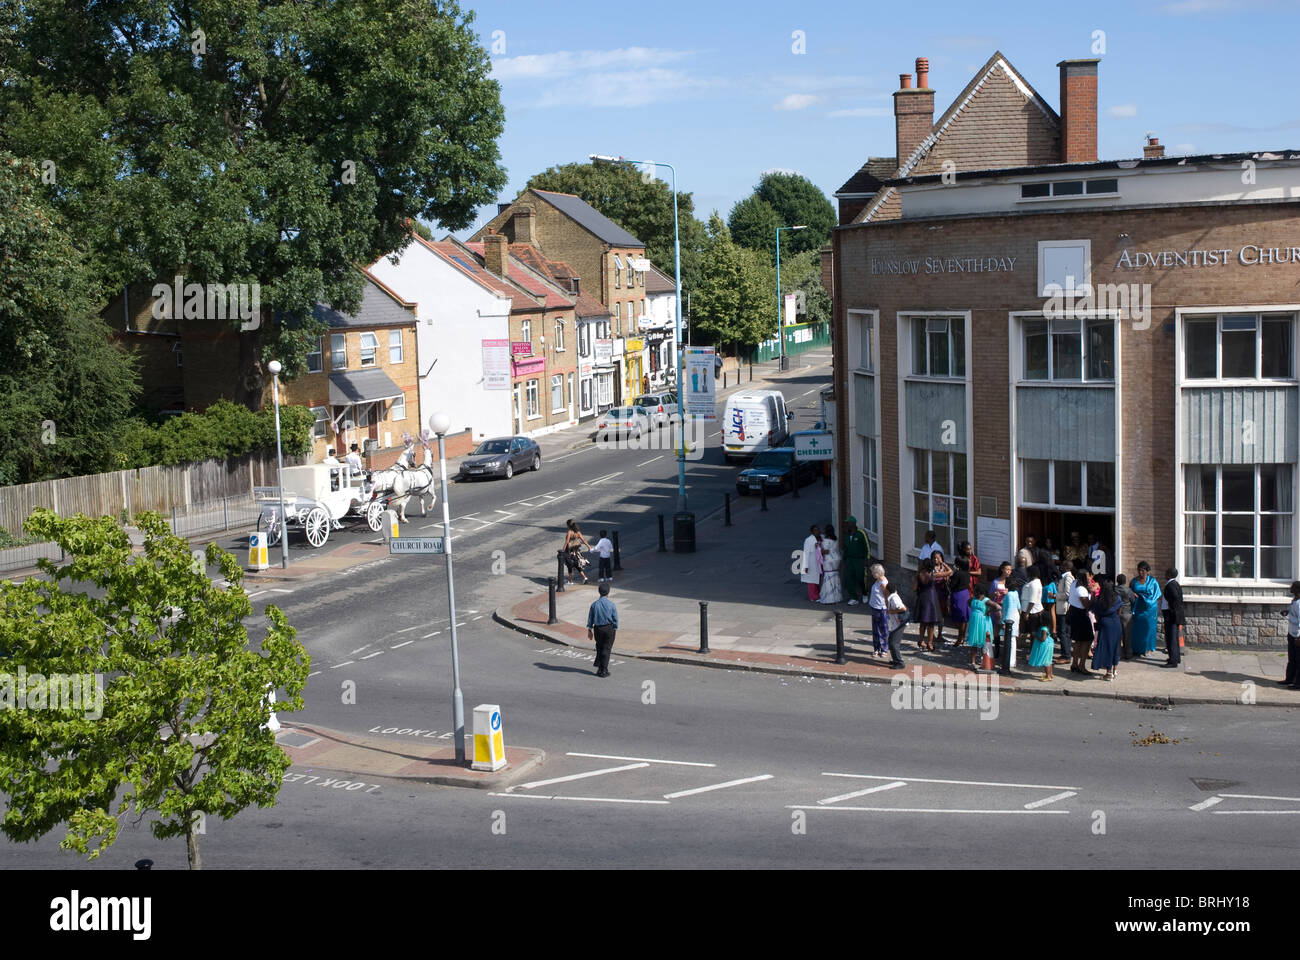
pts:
[317, 526]
[270, 525]
[375, 515]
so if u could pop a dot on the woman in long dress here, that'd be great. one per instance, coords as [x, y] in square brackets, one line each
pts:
[943, 590]
[831, 591]
[927, 604]
[574, 541]
[1146, 610]
[1109, 630]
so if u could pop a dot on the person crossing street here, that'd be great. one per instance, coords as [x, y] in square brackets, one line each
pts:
[602, 624]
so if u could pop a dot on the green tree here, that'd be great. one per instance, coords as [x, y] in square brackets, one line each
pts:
[180, 730]
[795, 200]
[735, 300]
[266, 142]
[65, 389]
[753, 223]
[642, 206]
[802, 276]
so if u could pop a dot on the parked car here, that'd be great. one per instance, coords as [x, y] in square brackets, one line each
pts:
[501, 457]
[622, 420]
[661, 408]
[776, 470]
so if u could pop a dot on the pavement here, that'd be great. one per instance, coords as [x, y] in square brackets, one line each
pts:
[759, 619]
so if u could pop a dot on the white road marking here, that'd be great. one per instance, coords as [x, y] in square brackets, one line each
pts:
[863, 793]
[357, 650]
[312, 674]
[507, 513]
[806, 392]
[409, 629]
[581, 776]
[278, 590]
[1206, 804]
[920, 810]
[343, 664]
[1052, 799]
[716, 786]
[605, 756]
[599, 480]
[964, 783]
[538, 796]
[369, 655]
[460, 624]
[402, 644]
[479, 617]
[428, 635]
[1253, 796]
[1226, 812]
[650, 461]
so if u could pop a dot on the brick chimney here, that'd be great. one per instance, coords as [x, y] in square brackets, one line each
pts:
[522, 224]
[495, 254]
[1153, 149]
[1078, 111]
[913, 111]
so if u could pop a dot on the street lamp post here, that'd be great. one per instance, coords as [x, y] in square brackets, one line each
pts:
[275, 367]
[439, 423]
[677, 328]
[780, 307]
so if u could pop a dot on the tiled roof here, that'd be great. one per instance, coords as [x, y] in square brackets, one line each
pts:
[578, 210]
[557, 270]
[465, 262]
[656, 281]
[380, 307]
[531, 281]
[589, 306]
[869, 176]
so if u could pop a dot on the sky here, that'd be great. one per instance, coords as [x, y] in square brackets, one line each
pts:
[726, 90]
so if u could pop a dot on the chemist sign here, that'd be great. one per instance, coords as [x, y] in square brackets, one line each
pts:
[813, 446]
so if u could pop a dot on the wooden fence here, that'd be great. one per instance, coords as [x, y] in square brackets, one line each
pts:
[151, 488]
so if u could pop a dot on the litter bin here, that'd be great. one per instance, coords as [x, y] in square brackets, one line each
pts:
[683, 533]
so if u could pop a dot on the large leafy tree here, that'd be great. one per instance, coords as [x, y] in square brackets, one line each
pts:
[642, 205]
[795, 200]
[65, 390]
[735, 300]
[180, 729]
[268, 142]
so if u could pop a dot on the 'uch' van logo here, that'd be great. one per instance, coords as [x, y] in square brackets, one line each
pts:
[75, 913]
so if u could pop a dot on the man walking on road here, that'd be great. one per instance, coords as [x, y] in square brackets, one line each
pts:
[855, 556]
[602, 622]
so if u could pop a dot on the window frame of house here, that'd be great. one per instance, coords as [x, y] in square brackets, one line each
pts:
[319, 354]
[532, 399]
[373, 350]
[871, 492]
[338, 348]
[557, 386]
[1055, 468]
[1092, 359]
[398, 346]
[559, 334]
[526, 331]
[1261, 319]
[919, 526]
[618, 318]
[1219, 549]
[320, 426]
[584, 394]
[1065, 189]
[955, 325]
[397, 410]
[618, 273]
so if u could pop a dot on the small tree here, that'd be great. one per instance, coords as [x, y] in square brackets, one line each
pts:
[181, 724]
[735, 301]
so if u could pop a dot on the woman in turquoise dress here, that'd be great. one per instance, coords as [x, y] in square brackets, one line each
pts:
[979, 625]
[1146, 608]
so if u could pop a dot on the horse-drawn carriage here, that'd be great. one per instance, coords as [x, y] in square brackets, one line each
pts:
[317, 498]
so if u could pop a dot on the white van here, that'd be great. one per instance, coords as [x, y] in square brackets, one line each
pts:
[752, 421]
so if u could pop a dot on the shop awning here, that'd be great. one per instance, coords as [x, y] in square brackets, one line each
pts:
[363, 386]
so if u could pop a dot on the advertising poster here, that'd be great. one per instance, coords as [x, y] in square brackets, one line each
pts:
[697, 376]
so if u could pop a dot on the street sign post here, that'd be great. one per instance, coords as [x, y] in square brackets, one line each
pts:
[417, 545]
[814, 446]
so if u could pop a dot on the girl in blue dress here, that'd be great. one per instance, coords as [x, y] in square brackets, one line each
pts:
[979, 629]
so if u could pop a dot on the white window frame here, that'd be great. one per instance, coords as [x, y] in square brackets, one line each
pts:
[1219, 547]
[584, 392]
[1218, 317]
[338, 347]
[532, 399]
[1051, 503]
[318, 353]
[397, 412]
[1085, 355]
[395, 352]
[929, 321]
[618, 273]
[951, 495]
[319, 429]
[557, 384]
[871, 492]
[526, 331]
[559, 335]
[372, 350]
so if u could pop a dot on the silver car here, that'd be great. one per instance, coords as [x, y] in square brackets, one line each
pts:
[629, 421]
[501, 457]
[661, 408]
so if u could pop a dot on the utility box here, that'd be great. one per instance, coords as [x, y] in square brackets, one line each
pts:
[257, 552]
[489, 738]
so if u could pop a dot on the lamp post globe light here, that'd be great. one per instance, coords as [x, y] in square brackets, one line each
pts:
[275, 367]
[677, 328]
[780, 306]
[440, 423]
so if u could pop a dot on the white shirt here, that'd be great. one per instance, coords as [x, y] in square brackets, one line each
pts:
[1293, 619]
[354, 461]
[1079, 597]
[928, 549]
[1031, 597]
[604, 548]
[877, 601]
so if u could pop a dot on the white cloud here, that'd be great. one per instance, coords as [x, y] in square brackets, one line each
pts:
[1123, 110]
[625, 88]
[567, 63]
[862, 112]
[795, 101]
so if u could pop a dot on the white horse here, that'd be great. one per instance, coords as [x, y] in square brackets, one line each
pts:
[405, 481]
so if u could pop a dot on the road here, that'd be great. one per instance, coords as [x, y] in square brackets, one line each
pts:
[672, 766]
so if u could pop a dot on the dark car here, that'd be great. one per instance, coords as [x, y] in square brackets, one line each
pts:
[501, 457]
[776, 470]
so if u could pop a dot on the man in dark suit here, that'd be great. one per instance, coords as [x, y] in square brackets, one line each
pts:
[1171, 603]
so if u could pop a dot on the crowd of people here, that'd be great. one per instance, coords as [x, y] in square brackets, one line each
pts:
[1059, 607]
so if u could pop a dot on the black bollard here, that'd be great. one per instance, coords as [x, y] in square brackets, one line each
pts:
[551, 617]
[559, 569]
[618, 564]
[839, 637]
[704, 626]
[794, 483]
[763, 494]
[663, 547]
[727, 508]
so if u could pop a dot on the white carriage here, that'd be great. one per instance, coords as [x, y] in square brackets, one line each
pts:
[317, 498]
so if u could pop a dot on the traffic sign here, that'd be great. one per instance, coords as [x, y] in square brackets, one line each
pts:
[417, 545]
[814, 446]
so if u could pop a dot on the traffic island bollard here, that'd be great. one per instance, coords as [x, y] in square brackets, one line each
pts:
[704, 626]
[727, 508]
[551, 617]
[763, 494]
[145, 864]
[559, 569]
[663, 545]
[839, 638]
[618, 563]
